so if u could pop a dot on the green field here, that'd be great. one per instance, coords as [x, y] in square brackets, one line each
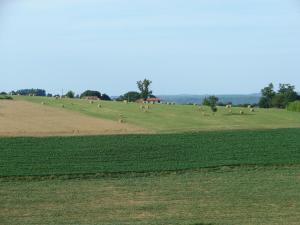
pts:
[147, 153]
[178, 118]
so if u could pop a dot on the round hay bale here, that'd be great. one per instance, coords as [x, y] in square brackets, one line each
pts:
[242, 112]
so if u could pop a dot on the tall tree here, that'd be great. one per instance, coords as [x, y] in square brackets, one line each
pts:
[268, 94]
[144, 87]
[288, 92]
[211, 101]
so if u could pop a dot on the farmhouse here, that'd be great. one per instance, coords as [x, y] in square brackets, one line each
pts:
[153, 100]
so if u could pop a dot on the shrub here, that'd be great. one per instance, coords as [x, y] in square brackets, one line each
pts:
[5, 97]
[294, 106]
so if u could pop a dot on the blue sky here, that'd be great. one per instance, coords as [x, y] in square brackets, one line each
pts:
[187, 46]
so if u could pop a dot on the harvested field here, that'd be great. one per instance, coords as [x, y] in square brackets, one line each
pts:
[20, 118]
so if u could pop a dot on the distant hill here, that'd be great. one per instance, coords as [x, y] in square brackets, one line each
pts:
[187, 99]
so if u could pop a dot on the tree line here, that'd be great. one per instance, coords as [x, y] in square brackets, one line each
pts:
[270, 98]
[131, 96]
[278, 99]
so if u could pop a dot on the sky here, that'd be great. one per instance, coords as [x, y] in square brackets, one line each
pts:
[183, 46]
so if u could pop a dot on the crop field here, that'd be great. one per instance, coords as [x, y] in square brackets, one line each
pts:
[147, 153]
[177, 118]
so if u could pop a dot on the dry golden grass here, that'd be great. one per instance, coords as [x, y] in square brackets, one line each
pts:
[20, 118]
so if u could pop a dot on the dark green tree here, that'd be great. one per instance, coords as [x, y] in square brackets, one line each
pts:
[267, 95]
[89, 93]
[130, 96]
[105, 97]
[288, 93]
[70, 94]
[279, 100]
[144, 87]
[211, 101]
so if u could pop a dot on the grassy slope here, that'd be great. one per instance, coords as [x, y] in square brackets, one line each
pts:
[174, 118]
[245, 197]
[140, 153]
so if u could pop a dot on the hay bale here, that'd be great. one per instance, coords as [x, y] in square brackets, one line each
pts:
[242, 112]
[252, 110]
[91, 102]
[99, 106]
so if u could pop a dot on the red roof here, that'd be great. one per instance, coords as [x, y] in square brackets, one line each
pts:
[153, 100]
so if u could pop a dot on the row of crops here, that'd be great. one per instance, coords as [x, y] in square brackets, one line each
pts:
[143, 153]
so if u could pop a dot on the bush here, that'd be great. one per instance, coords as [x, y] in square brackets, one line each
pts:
[5, 97]
[294, 106]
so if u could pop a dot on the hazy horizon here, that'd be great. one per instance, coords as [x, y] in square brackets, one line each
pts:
[195, 47]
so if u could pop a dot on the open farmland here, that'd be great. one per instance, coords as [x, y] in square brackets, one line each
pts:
[177, 118]
[218, 175]
[19, 118]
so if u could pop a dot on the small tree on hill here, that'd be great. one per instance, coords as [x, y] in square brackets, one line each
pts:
[70, 94]
[144, 87]
[211, 101]
[268, 94]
